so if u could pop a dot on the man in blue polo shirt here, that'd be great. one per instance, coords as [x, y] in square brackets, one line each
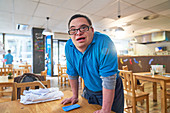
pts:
[93, 56]
[8, 58]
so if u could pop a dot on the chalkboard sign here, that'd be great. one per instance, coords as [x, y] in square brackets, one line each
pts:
[38, 50]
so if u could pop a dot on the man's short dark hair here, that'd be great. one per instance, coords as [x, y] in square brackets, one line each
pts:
[9, 51]
[78, 16]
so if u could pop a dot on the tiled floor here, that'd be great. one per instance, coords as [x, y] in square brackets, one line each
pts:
[154, 107]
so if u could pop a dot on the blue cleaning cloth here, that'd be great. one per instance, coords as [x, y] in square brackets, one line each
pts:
[70, 107]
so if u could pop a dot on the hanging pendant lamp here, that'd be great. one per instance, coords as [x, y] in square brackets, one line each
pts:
[119, 29]
[47, 31]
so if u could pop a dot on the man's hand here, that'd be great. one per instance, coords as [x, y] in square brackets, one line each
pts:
[71, 100]
[102, 111]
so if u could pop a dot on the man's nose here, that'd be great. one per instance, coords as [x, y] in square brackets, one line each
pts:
[79, 32]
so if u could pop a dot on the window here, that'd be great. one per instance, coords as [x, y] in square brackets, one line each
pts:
[1, 48]
[20, 46]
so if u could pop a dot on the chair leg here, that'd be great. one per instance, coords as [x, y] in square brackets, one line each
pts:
[61, 82]
[58, 78]
[134, 105]
[68, 82]
[147, 104]
[142, 89]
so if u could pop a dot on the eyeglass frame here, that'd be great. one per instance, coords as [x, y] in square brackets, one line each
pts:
[90, 26]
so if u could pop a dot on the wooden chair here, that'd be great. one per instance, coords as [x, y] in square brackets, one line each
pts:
[59, 72]
[25, 71]
[64, 77]
[168, 93]
[19, 72]
[5, 87]
[44, 73]
[82, 84]
[142, 83]
[26, 66]
[5, 71]
[125, 67]
[130, 93]
[6, 94]
[31, 85]
[9, 65]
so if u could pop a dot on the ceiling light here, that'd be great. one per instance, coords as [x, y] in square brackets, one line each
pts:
[119, 32]
[150, 17]
[21, 27]
[47, 31]
[119, 29]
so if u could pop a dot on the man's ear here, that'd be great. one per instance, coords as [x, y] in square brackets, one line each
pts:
[92, 29]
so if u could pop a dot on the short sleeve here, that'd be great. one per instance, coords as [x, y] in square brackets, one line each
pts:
[5, 57]
[108, 58]
[70, 64]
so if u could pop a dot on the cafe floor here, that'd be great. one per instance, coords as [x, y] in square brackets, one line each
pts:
[154, 107]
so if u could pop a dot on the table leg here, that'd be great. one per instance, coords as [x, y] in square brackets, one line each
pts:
[163, 97]
[1, 89]
[154, 91]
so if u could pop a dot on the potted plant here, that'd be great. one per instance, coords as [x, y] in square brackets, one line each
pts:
[10, 75]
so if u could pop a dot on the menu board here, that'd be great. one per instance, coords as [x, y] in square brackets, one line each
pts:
[38, 50]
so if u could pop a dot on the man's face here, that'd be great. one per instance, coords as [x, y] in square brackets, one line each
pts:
[81, 39]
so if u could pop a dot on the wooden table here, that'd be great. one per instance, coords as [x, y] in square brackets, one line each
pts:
[26, 66]
[8, 83]
[48, 107]
[155, 79]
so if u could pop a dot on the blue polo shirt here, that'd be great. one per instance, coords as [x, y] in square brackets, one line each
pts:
[9, 58]
[99, 59]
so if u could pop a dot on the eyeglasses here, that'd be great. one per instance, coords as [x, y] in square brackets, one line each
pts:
[81, 29]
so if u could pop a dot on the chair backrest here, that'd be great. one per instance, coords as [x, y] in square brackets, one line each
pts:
[128, 82]
[59, 69]
[28, 77]
[19, 72]
[25, 71]
[5, 71]
[26, 66]
[32, 85]
[9, 65]
[63, 70]
[44, 73]
[125, 67]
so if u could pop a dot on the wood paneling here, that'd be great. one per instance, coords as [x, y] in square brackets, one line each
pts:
[143, 63]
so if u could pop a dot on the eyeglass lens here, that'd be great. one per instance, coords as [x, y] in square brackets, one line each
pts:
[81, 29]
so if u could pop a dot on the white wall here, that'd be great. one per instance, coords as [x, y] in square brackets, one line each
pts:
[149, 49]
[61, 36]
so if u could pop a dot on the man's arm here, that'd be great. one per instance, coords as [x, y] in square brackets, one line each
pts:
[109, 84]
[108, 97]
[74, 87]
